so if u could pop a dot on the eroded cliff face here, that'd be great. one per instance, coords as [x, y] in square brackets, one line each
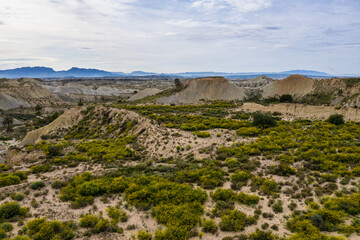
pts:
[293, 111]
[25, 93]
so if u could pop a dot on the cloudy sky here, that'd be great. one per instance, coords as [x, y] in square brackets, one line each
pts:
[182, 35]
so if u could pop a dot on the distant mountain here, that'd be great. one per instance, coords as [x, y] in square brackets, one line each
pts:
[44, 72]
[82, 72]
[141, 73]
[33, 72]
[48, 73]
[306, 72]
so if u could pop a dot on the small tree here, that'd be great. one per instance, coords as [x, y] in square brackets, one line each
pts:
[336, 119]
[178, 84]
[263, 120]
[286, 98]
[38, 109]
[81, 102]
[317, 221]
[8, 122]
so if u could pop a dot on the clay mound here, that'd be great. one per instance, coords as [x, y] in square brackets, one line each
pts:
[80, 89]
[209, 88]
[296, 85]
[144, 93]
[256, 82]
[65, 121]
[7, 102]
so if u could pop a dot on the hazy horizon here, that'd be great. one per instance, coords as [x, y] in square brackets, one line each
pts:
[182, 36]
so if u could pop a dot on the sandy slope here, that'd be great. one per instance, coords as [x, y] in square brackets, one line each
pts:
[144, 93]
[65, 121]
[210, 88]
[296, 85]
[292, 111]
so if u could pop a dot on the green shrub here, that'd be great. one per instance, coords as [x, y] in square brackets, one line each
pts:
[269, 187]
[41, 229]
[185, 216]
[58, 184]
[117, 214]
[209, 226]
[284, 169]
[89, 221]
[235, 221]
[278, 207]
[7, 227]
[82, 201]
[144, 235]
[2, 234]
[263, 120]
[261, 235]
[349, 204]
[208, 177]
[7, 180]
[248, 131]
[11, 209]
[3, 167]
[240, 177]
[89, 189]
[171, 233]
[37, 185]
[221, 194]
[203, 134]
[247, 199]
[40, 168]
[317, 221]
[18, 196]
[336, 119]
[286, 98]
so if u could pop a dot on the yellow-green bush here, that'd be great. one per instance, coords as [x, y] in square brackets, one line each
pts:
[41, 229]
[235, 221]
[209, 226]
[10, 210]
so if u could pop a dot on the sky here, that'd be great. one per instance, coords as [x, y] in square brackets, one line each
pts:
[182, 35]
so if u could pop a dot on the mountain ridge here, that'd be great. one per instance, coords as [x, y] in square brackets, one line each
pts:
[74, 72]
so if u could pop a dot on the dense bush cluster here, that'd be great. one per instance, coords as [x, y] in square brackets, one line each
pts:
[235, 221]
[177, 206]
[209, 177]
[7, 179]
[322, 146]
[331, 217]
[41, 229]
[98, 224]
[106, 150]
[10, 210]
[202, 134]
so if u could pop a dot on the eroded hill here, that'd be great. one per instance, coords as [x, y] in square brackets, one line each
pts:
[205, 171]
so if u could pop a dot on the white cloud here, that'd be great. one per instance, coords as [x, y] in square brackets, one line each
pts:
[243, 6]
[179, 35]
